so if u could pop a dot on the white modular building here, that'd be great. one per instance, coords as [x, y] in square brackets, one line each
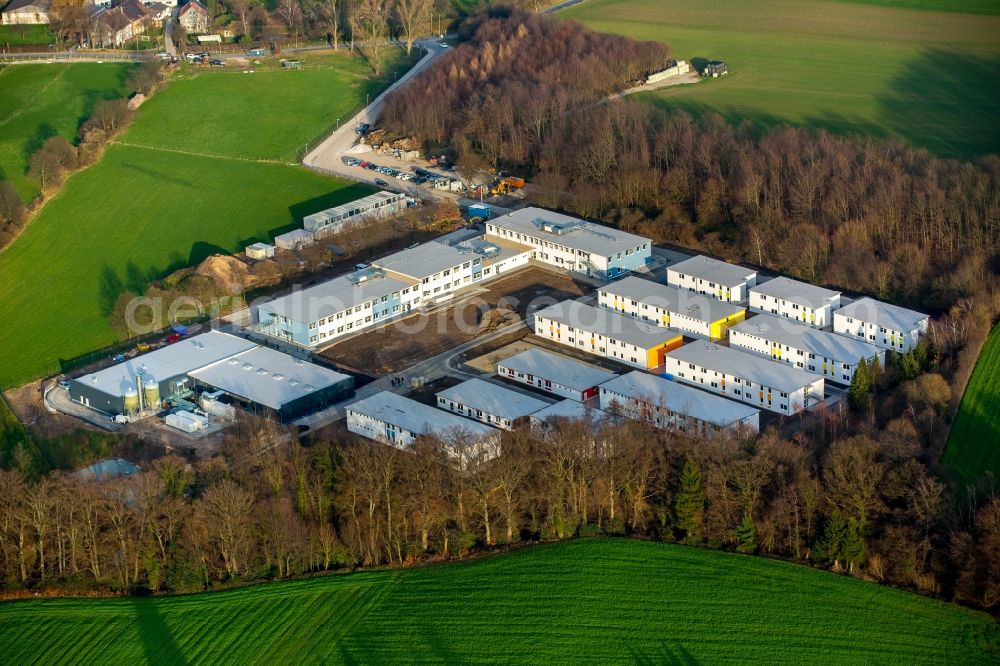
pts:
[605, 333]
[392, 419]
[498, 257]
[340, 218]
[571, 243]
[745, 377]
[671, 405]
[883, 324]
[796, 300]
[554, 373]
[439, 269]
[489, 403]
[294, 239]
[318, 315]
[712, 277]
[669, 306]
[259, 251]
[833, 356]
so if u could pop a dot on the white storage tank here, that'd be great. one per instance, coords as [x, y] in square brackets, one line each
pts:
[151, 394]
[130, 398]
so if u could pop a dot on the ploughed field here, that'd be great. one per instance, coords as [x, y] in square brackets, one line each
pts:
[206, 167]
[974, 443]
[925, 72]
[590, 601]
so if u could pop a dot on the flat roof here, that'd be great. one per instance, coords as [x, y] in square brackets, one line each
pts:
[577, 234]
[267, 377]
[570, 409]
[744, 365]
[608, 323]
[794, 291]
[493, 399]
[558, 368]
[328, 298]
[887, 315]
[179, 358]
[720, 272]
[295, 234]
[336, 211]
[673, 299]
[425, 259]
[799, 336]
[680, 399]
[417, 417]
[492, 251]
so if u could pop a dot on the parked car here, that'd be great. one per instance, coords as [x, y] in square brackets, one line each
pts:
[173, 337]
[256, 53]
[218, 63]
[444, 45]
[64, 383]
[372, 166]
[381, 183]
[190, 56]
[362, 128]
[360, 267]
[163, 55]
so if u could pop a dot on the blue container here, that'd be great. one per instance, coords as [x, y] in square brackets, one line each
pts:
[479, 210]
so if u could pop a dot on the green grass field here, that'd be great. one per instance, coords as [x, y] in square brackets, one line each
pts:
[25, 35]
[162, 199]
[928, 77]
[270, 114]
[966, 6]
[974, 443]
[39, 101]
[575, 602]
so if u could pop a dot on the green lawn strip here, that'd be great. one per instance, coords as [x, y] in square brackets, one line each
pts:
[925, 77]
[974, 443]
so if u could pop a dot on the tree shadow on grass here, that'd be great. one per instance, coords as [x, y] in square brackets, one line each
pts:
[158, 643]
[944, 101]
[669, 653]
[43, 133]
[322, 202]
[947, 101]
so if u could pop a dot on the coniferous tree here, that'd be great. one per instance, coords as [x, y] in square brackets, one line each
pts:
[746, 535]
[861, 385]
[830, 547]
[853, 547]
[689, 503]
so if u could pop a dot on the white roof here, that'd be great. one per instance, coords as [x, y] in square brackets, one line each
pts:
[744, 365]
[267, 377]
[260, 246]
[679, 398]
[794, 291]
[607, 323]
[886, 315]
[416, 417]
[336, 212]
[425, 259]
[557, 368]
[799, 336]
[570, 409]
[576, 233]
[172, 360]
[720, 272]
[493, 399]
[673, 299]
[295, 235]
[328, 298]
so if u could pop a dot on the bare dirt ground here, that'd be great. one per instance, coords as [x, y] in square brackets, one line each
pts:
[26, 403]
[400, 344]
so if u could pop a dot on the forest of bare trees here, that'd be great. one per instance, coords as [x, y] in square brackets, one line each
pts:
[528, 93]
[844, 494]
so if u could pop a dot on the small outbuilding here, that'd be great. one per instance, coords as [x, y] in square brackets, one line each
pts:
[260, 251]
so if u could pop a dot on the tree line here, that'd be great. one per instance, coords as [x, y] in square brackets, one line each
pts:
[844, 493]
